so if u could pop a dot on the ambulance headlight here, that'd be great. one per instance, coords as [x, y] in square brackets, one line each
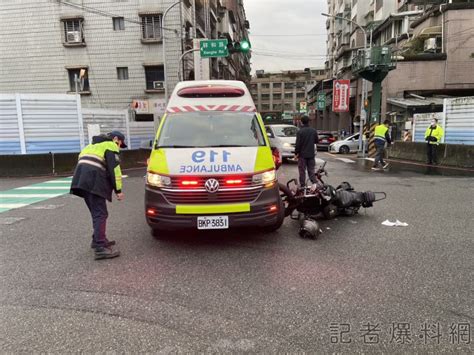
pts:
[267, 177]
[158, 180]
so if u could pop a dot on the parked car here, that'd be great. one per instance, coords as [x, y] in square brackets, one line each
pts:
[325, 139]
[346, 145]
[283, 137]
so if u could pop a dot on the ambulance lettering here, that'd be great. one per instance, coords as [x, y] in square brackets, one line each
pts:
[210, 162]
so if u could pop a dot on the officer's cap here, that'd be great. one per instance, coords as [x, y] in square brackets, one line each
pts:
[120, 136]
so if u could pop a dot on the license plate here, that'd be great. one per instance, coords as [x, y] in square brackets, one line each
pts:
[214, 222]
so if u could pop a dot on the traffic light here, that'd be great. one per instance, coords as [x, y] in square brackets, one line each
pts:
[239, 47]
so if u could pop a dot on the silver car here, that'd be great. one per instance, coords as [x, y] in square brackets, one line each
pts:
[346, 145]
[283, 137]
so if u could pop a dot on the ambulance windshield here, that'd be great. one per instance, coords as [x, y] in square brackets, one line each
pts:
[210, 129]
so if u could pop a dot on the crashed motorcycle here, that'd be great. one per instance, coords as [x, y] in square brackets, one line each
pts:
[306, 203]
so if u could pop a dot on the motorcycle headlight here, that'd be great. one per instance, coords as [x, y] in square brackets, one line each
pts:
[158, 180]
[265, 178]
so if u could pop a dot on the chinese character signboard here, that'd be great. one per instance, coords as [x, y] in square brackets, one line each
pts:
[341, 95]
[321, 101]
[214, 48]
[140, 106]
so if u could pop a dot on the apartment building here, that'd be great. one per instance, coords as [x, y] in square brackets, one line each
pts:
[276, 93]
[432, 44]
[114, 53]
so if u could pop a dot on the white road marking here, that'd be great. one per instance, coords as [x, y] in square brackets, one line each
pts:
[345, 160]
[10, 220]
[43, 188]
[30, 195]
[319, 161]
[13, 205]
[43, 207]
[371, 159]
[58, 182]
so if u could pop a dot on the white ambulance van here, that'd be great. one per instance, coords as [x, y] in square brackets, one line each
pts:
[212, 166]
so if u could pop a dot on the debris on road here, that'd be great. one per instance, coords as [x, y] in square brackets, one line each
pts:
[394, 224]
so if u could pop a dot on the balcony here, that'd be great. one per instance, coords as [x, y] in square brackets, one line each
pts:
[372, 64]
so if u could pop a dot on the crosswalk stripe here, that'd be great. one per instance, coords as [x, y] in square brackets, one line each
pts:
[346, 160]
[12, 205]
[58, 182]
[27, 195]
[43, 188]
[6, 195]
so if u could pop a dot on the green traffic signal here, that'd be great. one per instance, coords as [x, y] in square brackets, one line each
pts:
[239, 47]
[244, 46]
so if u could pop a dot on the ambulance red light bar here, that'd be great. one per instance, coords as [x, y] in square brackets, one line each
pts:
[211, 91]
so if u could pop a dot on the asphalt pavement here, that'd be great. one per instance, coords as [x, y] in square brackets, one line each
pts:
[361, 287]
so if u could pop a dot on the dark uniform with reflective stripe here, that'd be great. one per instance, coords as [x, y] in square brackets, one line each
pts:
[97, 174]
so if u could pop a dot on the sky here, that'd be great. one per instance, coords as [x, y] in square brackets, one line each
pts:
[271, 19]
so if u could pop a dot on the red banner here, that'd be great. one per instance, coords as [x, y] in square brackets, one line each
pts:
[341, 95]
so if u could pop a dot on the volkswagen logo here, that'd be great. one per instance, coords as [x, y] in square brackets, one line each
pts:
[212, 185]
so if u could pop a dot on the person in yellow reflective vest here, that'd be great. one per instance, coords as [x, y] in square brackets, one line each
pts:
[96, 176]
[381, 137]
[433, 136]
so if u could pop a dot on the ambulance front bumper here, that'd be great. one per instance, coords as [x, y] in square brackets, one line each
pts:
[259, 212]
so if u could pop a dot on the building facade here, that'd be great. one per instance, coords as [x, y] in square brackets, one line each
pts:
[114, 52]
[431, 43]
[281, 93]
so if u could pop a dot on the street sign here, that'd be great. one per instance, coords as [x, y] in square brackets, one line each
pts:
[213, 48]
[341, 95]
[321, 101]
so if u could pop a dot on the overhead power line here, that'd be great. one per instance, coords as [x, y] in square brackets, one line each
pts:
[95, 11]
[290, 35]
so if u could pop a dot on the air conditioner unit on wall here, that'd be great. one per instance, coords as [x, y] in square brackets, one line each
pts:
[73, 36]
[158, 85]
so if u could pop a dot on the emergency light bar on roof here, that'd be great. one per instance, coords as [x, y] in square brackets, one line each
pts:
[211, 91]
[200, 108]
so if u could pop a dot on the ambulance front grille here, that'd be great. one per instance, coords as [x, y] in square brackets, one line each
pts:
[222, 196]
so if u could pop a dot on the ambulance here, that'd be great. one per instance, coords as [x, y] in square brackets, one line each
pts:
[212, 166]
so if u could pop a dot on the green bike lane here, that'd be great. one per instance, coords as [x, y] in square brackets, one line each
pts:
[27, 195]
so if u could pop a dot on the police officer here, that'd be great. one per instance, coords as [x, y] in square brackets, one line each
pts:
[433, 136]
[97, 174]
[381, 137]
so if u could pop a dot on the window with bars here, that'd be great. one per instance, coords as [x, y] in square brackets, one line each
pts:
[151, 27]
[73, 31]
[155, 77]
[79, 78]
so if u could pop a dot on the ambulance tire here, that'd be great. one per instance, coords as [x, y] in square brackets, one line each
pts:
[279, 222]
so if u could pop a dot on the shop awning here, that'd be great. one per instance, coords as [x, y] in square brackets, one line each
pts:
[414, 102]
